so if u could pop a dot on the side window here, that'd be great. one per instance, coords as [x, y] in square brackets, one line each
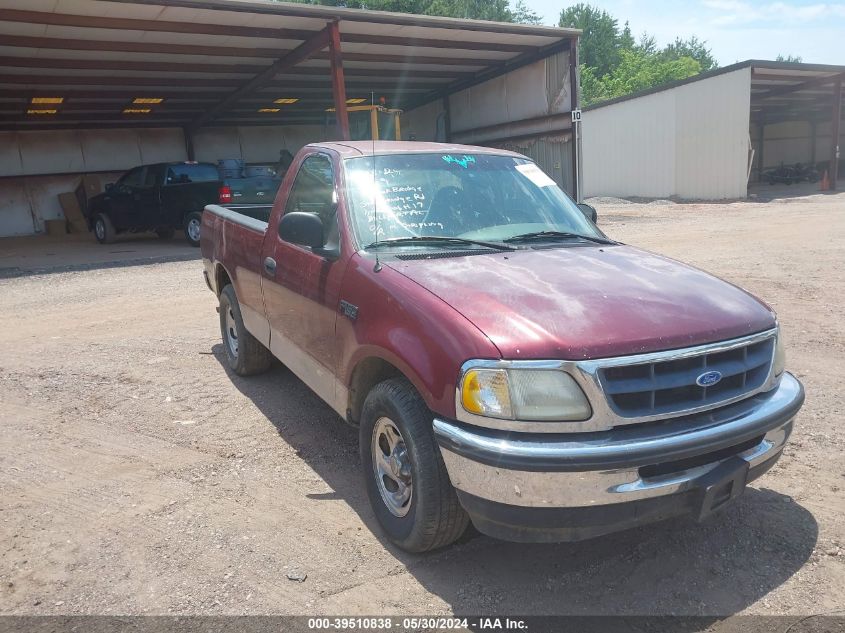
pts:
[313, 192]
[188, 173]
[150, 178]
[135, 178]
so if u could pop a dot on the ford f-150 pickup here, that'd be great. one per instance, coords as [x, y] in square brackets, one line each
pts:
[505, 362]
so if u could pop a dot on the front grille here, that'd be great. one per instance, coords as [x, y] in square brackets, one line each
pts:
[669, 386]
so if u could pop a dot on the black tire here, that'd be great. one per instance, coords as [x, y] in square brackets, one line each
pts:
[193, 220]
[434, 518]
[165, 234]
[104, 229]
[247, 357]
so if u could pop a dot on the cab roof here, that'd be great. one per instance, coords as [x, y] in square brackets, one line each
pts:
[352, 149]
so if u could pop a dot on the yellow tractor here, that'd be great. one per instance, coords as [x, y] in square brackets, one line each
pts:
[375, 122]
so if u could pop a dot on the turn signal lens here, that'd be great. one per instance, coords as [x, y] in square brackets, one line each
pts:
[524, 394]
[485, 392]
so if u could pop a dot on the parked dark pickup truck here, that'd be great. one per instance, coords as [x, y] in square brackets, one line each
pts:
[505, 361]
[168, 196]
[161, 198]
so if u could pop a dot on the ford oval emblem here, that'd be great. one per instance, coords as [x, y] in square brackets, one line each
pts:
[708, 379]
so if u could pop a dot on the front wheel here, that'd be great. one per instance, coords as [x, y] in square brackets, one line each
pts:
[104, 229]
[193, 222]
[245, 353]
[406, 479]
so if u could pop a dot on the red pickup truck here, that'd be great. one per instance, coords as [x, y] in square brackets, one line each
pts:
[505, 361]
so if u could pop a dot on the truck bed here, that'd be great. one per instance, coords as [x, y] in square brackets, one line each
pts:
[235, 239]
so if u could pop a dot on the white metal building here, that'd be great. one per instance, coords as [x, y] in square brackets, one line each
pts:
[707, 137]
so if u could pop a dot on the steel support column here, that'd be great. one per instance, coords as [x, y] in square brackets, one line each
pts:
[189, 143]
[836, 120]
[447, 119]
[338, 82]
[576, 127]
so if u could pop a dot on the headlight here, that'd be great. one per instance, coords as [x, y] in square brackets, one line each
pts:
[523, 394]
[780, 355]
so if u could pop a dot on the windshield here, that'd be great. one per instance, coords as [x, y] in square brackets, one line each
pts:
[478, 196]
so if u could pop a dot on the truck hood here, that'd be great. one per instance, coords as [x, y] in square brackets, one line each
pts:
[588, 302]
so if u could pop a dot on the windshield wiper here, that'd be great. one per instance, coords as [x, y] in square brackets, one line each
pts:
[551, 235]
[435, 239]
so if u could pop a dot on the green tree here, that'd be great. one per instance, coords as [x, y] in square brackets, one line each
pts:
[637, 71]
[614, 64]
[522, 14]
[691, 47]
[793, 59]
[601, 40]
[496, 10]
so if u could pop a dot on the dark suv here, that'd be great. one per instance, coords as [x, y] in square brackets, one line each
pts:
[161, 198]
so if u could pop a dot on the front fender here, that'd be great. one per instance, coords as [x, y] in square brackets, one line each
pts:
[405, 325]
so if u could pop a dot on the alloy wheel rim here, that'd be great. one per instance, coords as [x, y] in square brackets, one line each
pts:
[100, 229]
[194, 229]
[231, 332]
[392, 467]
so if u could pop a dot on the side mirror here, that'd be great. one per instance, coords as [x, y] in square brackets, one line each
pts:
[589, 212]
[109, 187]
[305, 229]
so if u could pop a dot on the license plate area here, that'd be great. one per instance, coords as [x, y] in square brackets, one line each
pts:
[722, 485]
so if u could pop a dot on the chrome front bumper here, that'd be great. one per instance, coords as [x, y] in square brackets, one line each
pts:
[583, 470]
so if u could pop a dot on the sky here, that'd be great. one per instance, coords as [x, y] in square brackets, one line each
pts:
[735, 30]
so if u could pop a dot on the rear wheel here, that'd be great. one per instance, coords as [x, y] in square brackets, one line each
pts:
[406, 479]
[193, 222]
[246, 355]
[104, 229]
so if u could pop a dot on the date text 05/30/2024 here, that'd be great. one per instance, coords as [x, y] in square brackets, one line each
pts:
[416, 624]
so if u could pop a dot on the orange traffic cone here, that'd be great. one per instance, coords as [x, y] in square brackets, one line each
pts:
[825, 182]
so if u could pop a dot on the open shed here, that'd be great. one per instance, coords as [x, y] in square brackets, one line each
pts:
[100, 86]
[710, 136]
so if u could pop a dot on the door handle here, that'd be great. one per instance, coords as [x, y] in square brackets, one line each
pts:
[270, 265]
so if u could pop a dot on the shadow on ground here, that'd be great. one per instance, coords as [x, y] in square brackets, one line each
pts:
[673, 568]
[22, 257]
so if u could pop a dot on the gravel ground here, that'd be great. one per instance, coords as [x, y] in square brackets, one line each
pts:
[139, 476]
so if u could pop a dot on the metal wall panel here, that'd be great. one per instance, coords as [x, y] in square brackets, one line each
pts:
[687, 142]
[711, 145]
[426, 123]
[553, 154]
[26, 203]
[532, 91]
[30, 153]
[101, 147]
[254, 144]
[628, 148]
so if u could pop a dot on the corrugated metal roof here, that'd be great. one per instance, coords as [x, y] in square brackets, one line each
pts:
[778, 89]
[99, 55]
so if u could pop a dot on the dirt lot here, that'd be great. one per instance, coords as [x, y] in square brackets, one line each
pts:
[140, 476]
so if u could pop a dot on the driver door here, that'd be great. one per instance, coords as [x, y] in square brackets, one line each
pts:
[121, 198]
[302, 289]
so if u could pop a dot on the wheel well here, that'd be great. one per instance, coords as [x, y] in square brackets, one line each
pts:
[192, 208]
[367, 374]
[222, 279]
